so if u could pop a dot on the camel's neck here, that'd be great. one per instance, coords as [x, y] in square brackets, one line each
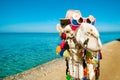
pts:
[75, 50]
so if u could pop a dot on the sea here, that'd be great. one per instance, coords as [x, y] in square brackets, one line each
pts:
[23, 51]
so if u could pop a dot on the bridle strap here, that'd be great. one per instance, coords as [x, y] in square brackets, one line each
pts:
[86, 42]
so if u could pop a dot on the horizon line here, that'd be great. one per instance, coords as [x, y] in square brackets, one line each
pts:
[52, 32]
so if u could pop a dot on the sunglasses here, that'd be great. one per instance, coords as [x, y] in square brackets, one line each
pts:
[81, 20]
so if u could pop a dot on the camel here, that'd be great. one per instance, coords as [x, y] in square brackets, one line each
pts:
[84, 46]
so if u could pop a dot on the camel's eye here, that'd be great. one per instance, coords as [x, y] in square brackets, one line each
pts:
[67, 31]
[88, 32]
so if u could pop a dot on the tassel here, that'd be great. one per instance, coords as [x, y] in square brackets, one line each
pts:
[89, 55]
[89, 61]
[62, 51]
[72, 79]
[94, 61]
[68, 77]
[97, 73]
[85, 78]
[62, 44]
[66, 53]
[63, 36]
[60, 33]
[58, 49]
[96, 70]
[86, 72]
[100, 54]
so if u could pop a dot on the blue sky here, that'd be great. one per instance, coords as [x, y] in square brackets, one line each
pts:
[43, 15]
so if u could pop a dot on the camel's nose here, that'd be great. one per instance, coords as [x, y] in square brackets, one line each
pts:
[92, 34]
[71, 34]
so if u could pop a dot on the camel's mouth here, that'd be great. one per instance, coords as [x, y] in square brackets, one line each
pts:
[92, 44]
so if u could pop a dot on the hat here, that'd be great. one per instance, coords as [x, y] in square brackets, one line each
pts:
[70, 13]
[64, 22]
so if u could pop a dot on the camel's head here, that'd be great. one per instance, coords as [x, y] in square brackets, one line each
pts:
[67, 30]
[88, 36]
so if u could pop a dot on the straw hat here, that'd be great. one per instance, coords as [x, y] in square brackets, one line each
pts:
[75, 14]
[72, 13]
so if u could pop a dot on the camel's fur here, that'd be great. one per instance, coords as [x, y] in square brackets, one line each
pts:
[83, 32]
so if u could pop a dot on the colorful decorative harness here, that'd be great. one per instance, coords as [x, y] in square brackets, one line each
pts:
[87, 57]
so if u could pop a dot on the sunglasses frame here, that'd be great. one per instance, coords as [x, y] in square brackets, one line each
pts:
[81, 20]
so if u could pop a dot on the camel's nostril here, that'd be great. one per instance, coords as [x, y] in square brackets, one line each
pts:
[71, 34]
[91, 30]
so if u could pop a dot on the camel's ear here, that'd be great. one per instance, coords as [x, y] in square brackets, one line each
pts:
[92, 19]
[59, 28]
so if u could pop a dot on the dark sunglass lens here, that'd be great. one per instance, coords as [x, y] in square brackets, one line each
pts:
[80, 20]
[88, 21]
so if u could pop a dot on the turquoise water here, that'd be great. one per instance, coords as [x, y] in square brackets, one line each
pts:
[22, 51]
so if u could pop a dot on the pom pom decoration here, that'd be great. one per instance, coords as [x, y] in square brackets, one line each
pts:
[63, 36]
[61, 52]
[68, 77]
[85, 78]
[96, 70]
[62, 44]
[86, 72]
[58, 49]
[72, 79]
[94, 61]
[89, 61]
[60, 33]
[100, 55]
[66, 53]
[89, 55]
